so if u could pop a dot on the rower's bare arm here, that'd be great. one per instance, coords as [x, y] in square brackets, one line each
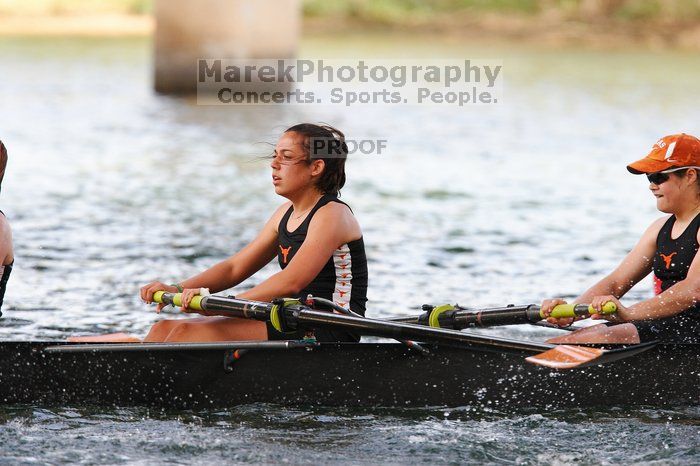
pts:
[634, 267]
[233, 270]
[676, 299]
[6, 254]
[240, 266]
[332, 226]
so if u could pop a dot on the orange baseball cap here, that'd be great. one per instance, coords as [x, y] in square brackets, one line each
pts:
[674, 151]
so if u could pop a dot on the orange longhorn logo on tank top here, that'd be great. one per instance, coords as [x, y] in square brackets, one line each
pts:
[667, 259]
[285, 251]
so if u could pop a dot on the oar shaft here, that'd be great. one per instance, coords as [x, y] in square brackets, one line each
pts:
[464, 318]
[511, 315]
[496, 316]
[533, 313]
[397, 330]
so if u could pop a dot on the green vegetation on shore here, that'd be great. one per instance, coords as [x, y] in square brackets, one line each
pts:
[595, 23]
[74, 7]
[398, 12]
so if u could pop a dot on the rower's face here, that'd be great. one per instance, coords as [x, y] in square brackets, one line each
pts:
[672, 195]
[291, 170]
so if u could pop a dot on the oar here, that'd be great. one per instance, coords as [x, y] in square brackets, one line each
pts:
[287, 315]
[564, 356]
[457, 318]
[256, 310]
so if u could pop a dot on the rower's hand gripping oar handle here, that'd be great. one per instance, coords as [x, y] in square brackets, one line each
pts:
[273, 312]
[176, 300]
[577, 310]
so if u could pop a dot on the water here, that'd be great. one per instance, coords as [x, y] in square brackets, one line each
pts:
[272, 435]
[110, 186]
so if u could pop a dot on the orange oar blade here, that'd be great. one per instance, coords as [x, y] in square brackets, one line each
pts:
[566, 356]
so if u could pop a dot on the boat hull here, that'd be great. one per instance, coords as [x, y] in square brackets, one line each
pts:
[347, 374]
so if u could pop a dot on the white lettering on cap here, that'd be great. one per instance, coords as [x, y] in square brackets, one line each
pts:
[660, 144]
[669, 152]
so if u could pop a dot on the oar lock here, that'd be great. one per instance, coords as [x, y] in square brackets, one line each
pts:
[281, 320]
[278, 318]
[434, 314]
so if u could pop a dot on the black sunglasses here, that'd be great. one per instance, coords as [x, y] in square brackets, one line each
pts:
[657, 178]
[662, 176]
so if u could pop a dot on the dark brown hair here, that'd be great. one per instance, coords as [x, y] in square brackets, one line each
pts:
[3, 161]
[681, 174]
[328, 144]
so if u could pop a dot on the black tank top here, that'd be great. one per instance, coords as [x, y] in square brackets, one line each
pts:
[6, 271]
[343, 278]
[674, 256]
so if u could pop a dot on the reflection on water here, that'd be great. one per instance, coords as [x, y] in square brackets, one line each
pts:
[110, 186]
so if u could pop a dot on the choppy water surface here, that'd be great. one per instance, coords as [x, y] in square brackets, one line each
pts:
[270, 434]
[110, 186]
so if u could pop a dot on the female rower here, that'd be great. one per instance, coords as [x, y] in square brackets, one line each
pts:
[7, 257]
[668, 248]
[315, 237]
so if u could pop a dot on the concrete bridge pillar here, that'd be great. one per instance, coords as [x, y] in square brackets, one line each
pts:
[187, 30]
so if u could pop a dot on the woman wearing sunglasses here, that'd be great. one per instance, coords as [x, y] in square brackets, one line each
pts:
[314, 236]
[668, 248]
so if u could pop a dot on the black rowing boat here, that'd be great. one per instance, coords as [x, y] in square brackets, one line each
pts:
[193, 375]
[452, 367]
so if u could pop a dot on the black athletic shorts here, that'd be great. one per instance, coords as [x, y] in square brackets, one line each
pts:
[683, 328]
[321, 334]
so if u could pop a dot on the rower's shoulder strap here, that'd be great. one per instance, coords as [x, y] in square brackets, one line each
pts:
[327, 199]
[324, 200]
[282, 226]
[665, 231]
[695, 224]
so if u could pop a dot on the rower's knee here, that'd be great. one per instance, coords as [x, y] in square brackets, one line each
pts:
[620, 333]
[164, 325]
[160, 330]
[183, 331]
[623, 333]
